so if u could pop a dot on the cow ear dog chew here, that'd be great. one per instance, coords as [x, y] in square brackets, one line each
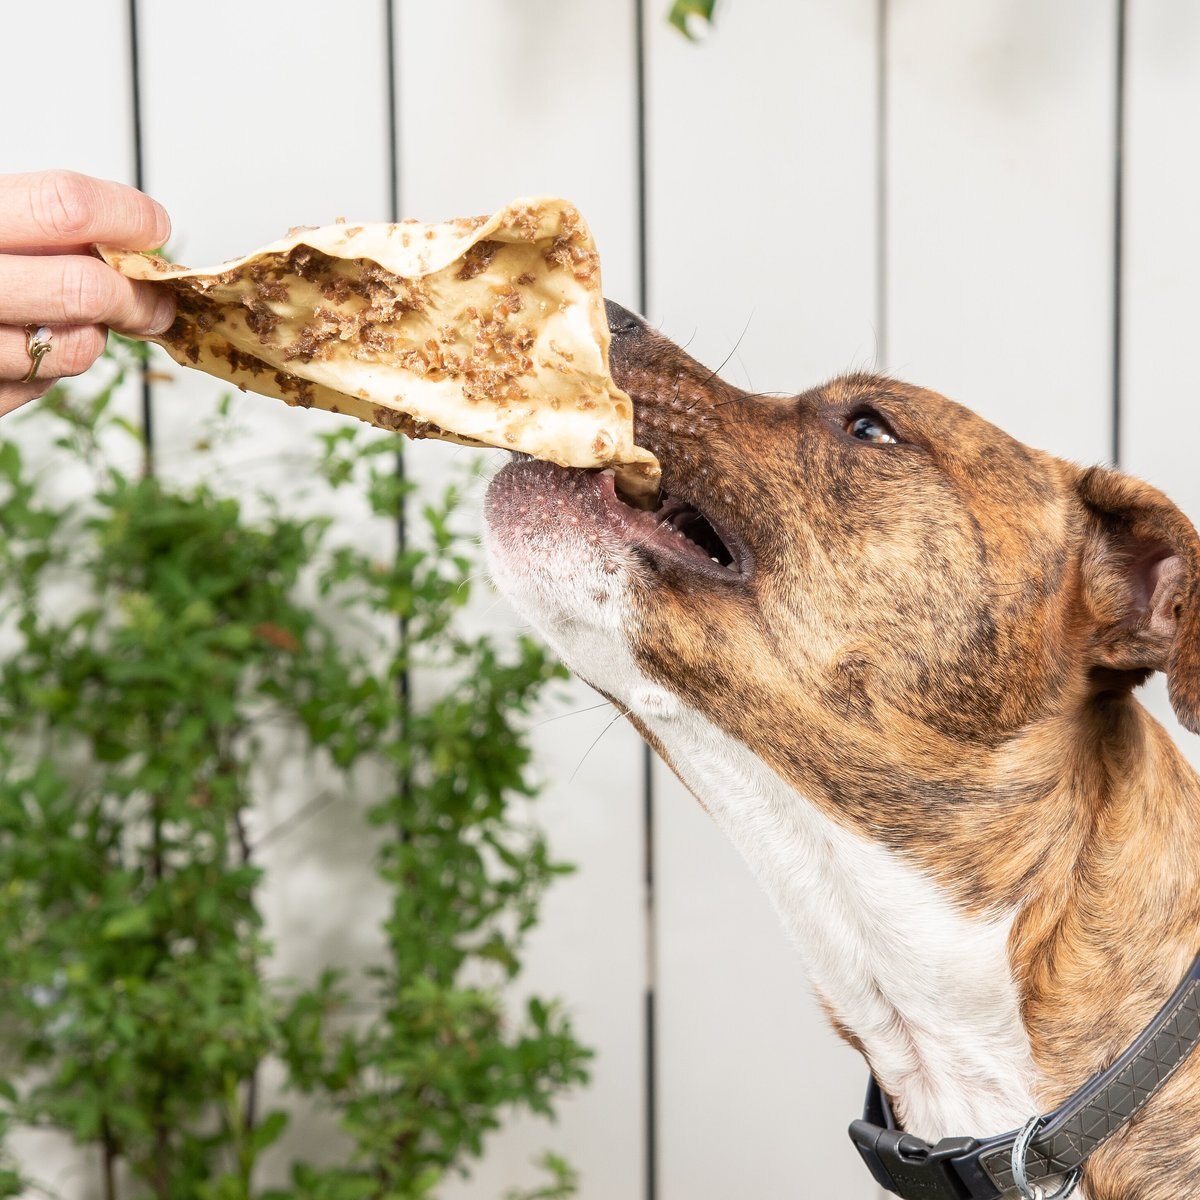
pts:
[487, 331]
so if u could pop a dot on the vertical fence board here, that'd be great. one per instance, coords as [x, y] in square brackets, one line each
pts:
[539, 100]
[1000, 206]
[761, 248]
[762, 173]
[256, 118]
[83, 125]
[1161, 273]
[72, 108]
[245, 136]
[86, 126]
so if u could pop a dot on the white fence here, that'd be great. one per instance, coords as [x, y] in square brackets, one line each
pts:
[998, 199]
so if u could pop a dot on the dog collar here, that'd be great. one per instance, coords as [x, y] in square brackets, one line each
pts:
[967, 1168]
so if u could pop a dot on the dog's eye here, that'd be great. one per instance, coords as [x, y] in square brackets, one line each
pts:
[869, 428]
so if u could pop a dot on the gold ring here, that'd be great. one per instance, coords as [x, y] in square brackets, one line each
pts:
[38, 345]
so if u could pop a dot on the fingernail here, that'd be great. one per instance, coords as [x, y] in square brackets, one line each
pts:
[162, 227]
[164, 314]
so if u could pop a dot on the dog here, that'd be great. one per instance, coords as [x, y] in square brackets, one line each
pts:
[892, 652]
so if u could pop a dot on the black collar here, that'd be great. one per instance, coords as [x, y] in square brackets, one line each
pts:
[966, 1168]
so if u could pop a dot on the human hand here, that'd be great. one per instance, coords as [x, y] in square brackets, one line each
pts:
[48, 277]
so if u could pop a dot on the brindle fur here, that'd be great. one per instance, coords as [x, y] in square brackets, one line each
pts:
[937, 644]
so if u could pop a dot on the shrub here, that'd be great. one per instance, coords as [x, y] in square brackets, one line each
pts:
[155, 639]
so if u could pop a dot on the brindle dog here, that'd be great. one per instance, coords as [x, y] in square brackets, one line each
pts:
[892, 651]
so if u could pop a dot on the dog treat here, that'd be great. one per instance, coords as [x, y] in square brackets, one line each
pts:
[482, 331]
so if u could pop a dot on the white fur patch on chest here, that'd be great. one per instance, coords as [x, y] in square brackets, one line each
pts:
[926, 989]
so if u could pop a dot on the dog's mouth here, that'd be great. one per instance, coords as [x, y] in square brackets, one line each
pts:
[539, 501]
[677, 532]
[689, 535]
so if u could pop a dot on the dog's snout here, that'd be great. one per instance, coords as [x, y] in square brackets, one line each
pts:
[621, 320]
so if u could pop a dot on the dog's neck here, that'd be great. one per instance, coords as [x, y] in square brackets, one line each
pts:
[1108, 927]
[936, 993]
[924, 991]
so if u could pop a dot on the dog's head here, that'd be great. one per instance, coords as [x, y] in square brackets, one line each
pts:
[867, 584]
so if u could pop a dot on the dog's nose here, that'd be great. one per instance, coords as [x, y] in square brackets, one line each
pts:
[621, 320]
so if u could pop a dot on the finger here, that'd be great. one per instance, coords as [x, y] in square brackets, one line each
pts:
[80, 248]
[13, 395]
[63, 208]
[69, 289]
[73, 348]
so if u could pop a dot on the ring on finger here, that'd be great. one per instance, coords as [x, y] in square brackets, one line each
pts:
[38, 339]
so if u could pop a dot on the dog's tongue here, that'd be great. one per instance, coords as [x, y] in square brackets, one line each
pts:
[483, 331]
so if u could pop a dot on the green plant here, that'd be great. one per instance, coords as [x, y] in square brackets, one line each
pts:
[683, 12]
[154, 638]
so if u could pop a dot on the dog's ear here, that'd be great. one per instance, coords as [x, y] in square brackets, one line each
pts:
[1141, 574]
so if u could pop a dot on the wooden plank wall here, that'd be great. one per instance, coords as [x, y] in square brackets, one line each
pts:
[996, 199]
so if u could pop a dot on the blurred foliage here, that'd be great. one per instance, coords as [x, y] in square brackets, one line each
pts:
[154, 640]
[684, 13]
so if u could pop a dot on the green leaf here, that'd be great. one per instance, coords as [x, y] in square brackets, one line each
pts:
[10, 461]
[134, 922]
[269, 1130]
[684, 12]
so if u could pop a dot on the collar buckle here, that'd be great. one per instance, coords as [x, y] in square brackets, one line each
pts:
[910, 1167]
[965, 1168]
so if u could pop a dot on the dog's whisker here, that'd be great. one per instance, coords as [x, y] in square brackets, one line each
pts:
[725, 361]
[744, 396]
[621, 712]
[498, 602]
[575, 712]
[478, 577]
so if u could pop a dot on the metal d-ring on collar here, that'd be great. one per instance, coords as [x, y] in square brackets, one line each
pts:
[1050, 1146]
[1020, 1153]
